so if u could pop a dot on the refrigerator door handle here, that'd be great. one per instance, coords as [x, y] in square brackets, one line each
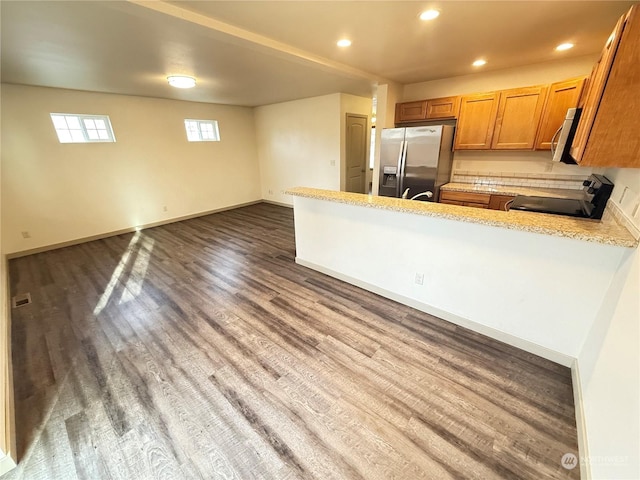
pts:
[399, 170]
[402, 163]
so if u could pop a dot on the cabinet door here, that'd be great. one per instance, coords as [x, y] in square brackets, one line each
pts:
[595, 89]
[447, 196]
[476, 121]
[614, 137]
[562, 96]
[499, 202]
[518, 117]
[452, 202]
[411, 111]
[446, 107]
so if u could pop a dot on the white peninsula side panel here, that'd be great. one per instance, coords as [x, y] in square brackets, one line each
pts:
[537, 292]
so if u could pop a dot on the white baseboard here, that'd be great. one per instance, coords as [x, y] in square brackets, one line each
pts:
[7, 463]
[507, 338]
[77, 241]
[280, 204]
[581, 427]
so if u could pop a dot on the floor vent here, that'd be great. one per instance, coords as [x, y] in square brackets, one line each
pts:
[21, 300]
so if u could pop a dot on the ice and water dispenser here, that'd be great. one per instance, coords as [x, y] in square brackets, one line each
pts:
[389, 182]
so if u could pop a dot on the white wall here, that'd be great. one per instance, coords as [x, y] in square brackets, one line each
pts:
[542, 289]
[359, 106]
[63, 192]
[609, 361]
[299, 145]
[520, 161]
[609, 366]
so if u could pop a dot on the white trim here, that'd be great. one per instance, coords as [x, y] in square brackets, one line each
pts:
[7, 463]
[111, 138]
[77, 241]
[280, 204]
[581, 427]
[198, 132]
[527, 346]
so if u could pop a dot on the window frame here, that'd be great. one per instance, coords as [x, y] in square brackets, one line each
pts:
[212, 123]
[81, 117]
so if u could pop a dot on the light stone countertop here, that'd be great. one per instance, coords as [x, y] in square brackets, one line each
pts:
[607, 232]
[513, 190]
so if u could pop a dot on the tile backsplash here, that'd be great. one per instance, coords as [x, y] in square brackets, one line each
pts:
[517, 168]
[540, 179]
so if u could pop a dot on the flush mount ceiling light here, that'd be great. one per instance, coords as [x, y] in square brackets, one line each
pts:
[345, 42]
[181, 81]
[564, 46]
[479, 63]
[429, 14]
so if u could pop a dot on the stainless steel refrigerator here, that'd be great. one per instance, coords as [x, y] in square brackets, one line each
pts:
[415, 158]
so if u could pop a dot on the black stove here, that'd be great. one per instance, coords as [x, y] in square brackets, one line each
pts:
[558, 206]
[597, 190]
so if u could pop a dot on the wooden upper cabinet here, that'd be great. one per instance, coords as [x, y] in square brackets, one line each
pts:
[595, 90]
[431, 109]
[562, 96]
[519, 112]
[446, 107]
[608, 133]
[476, 121]
[411, 111]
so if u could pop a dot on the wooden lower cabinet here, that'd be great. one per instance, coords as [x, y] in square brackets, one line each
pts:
[499, 202]
[467, 199]
[476, 200]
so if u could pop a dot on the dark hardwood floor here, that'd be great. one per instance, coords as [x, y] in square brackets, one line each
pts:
[201, 350]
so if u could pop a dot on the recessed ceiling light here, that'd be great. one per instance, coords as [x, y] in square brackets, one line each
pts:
[345, 42]
[479, 63]
[564, 46]
[429, 14]
[181, 81]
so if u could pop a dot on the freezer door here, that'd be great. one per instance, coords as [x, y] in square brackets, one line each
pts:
[420, 167]
[391, 149]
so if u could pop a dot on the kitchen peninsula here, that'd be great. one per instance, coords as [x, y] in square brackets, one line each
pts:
[534, 281]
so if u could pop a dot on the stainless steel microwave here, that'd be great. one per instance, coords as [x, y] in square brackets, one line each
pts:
[560, 147]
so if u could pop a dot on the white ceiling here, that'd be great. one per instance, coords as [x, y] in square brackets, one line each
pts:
[261, 52]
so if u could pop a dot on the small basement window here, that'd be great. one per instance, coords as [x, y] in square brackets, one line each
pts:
[202, 130]
[72, 128]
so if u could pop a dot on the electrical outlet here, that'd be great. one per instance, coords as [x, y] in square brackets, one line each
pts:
[26, 235]
[333, 163]
[164, 208]
[419, 278]
[270, 192]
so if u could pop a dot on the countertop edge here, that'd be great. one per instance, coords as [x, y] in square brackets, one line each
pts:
[483, 217]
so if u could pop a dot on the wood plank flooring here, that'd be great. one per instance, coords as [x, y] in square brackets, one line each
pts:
[200, 350]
